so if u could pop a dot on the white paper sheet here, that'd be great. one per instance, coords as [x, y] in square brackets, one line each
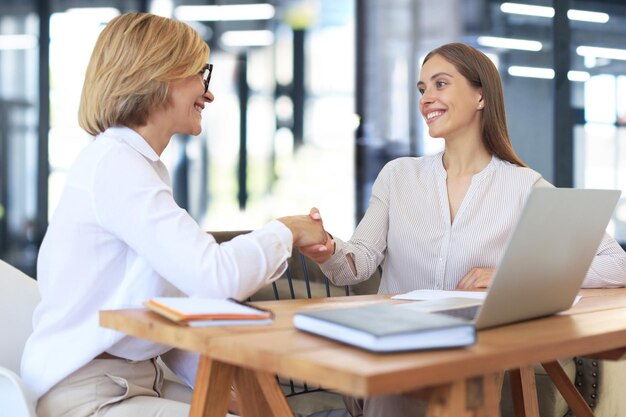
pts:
[439, 295]
[428, 295]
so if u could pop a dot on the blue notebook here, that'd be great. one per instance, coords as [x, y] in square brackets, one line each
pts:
[387, 328]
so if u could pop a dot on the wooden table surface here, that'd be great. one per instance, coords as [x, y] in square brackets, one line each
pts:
[596, 324]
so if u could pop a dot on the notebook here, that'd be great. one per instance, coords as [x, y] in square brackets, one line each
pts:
[202, 312]
[545, 261]
[386, 328]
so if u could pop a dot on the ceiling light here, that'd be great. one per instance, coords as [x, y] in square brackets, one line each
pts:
[101, 14]
[261, 11]
[581, 76]
[545, 11]
[527, 9]
[506, 43]
[586, 16]
[596, 52]
[236, 38]
[531, 72]
[18, 42]
[546, 73]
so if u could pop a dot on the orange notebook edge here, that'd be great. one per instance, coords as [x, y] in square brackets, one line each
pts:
[180, 317]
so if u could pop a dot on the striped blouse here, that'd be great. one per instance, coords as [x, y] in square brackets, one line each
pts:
[407, 226]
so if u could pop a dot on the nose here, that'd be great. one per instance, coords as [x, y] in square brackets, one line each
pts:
[426, 98]
[208, 96]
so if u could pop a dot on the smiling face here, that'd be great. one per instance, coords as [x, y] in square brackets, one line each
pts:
[186, 100]
[450, 106]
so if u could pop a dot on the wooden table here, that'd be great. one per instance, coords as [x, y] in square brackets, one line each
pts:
[457, 382]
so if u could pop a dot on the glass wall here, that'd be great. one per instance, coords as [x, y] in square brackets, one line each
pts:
[283, 175]
[19, 27]
[281, 134]
[522, 37]
[73, 34]
[601, 142]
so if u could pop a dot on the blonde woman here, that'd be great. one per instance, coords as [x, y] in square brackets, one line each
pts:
[117, 237]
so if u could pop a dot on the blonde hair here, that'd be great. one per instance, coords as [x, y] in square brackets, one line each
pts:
[481, 73]
[135, 58]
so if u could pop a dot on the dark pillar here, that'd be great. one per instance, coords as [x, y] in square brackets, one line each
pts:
[360, 156]
[298, 90]
[4, 175]
[244, 92]
[181, 173]
[43, 168]
[143, 6]
[563, 127]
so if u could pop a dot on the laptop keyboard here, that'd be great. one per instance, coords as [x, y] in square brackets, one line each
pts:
[467, 313]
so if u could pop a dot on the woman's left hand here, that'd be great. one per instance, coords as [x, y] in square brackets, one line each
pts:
[476, 278]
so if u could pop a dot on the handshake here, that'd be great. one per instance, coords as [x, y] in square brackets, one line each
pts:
[309, 235]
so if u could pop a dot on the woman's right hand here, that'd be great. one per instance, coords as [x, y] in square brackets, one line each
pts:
[307, 230]
[319, 253]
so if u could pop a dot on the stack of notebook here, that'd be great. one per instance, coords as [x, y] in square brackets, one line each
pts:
[199, 312]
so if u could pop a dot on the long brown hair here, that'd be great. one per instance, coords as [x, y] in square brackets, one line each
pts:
[480, 72]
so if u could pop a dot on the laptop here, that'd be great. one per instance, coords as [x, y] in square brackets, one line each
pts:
[545, 261]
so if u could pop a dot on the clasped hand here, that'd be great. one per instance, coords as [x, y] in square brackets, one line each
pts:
[318, 252]
[308, 230]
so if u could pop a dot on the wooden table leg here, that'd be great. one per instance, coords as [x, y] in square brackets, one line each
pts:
[260, 395]
[492, 389]
[567, 389]
[475, 397]
[211, 395]
[524, 392]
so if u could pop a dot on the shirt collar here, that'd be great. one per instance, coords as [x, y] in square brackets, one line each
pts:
[441, 170]
[487, 170]
[133, 139]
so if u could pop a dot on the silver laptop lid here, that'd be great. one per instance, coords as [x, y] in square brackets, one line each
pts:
[548, 254]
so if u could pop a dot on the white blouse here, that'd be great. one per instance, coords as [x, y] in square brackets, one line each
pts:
[118, 238]
[407, 225]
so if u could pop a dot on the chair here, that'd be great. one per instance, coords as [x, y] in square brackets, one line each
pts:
[304, 279]
[599, 381]
[18, 298]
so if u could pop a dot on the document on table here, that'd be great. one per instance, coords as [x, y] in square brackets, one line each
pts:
[439, 295]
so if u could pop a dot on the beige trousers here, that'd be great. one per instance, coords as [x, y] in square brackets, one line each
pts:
[116, 388]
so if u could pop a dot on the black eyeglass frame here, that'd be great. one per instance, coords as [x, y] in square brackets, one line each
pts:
[206, 76]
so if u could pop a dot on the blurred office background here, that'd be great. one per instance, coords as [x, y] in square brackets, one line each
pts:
[312, 98]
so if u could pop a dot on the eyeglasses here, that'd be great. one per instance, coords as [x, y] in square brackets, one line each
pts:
[206, 76]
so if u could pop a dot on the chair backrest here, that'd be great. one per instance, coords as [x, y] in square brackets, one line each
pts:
[18, 297]
[13, 399]
[303, 278]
